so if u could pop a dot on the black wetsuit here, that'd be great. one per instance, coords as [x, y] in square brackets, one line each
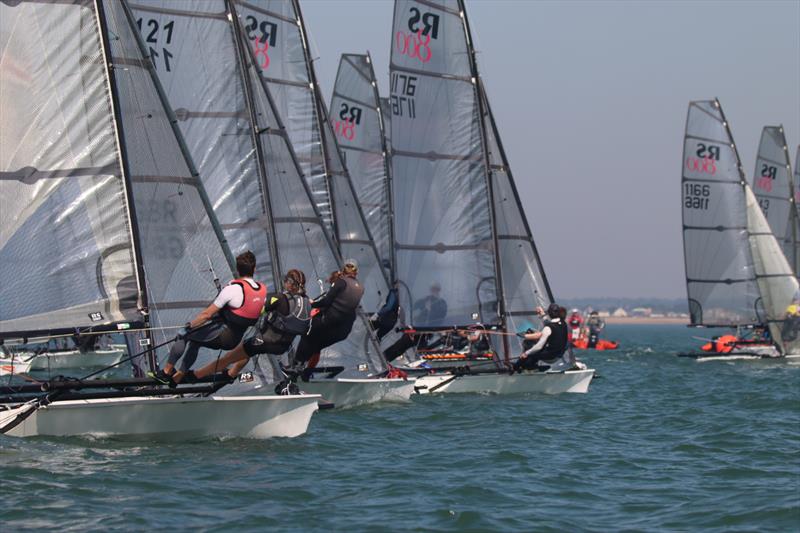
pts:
[335, 319]
[387, 316]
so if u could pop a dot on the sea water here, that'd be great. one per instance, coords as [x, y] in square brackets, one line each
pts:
[659, 443]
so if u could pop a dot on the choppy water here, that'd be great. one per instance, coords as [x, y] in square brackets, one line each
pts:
[659, 443]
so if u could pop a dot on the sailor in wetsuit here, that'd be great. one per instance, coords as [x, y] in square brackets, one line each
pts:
[221, 325]
[285, 316]
[384, 320]
[551, 342]
[337, 312]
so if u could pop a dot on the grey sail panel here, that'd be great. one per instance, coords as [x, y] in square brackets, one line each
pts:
[359, 129]
[195, 56]
[66, 248]
[777, 283]
[525, 285]
[772, 180]
[300, 236]
[443, 226]
[274, 32]
[720, 277]
[181, 252]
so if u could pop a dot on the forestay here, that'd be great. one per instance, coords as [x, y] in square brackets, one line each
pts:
[264, 165]
[279, 43]
[358, 123]
[443, 223]
[777, 283]
[66, 245]
[772, 184]
[720, 278]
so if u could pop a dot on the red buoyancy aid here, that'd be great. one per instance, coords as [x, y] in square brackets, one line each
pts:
[253, 302]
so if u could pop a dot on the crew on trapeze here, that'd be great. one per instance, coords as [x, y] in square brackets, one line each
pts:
[546, 348]
[285, 316]
[790, 331]
[222, 324]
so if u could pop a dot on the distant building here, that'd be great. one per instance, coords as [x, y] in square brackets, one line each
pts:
[641, 311]
[603, 314]
[620, 312]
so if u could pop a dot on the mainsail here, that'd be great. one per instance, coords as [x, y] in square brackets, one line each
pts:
[276, 33]
[792, 240]
[720, 278]
[459, 224]
[257, 186]
[773, 187]
[736, 273]
[131, 216]
[358, 122]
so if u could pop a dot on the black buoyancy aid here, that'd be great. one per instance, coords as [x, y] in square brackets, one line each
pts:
[556, 343]
[246, 314]
[347, 301]
[297, 321]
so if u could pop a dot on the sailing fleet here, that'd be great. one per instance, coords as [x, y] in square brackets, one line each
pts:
[190, 131]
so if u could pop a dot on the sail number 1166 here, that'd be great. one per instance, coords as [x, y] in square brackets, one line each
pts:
[696, 195]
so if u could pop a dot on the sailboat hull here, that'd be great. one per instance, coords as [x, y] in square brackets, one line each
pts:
[345, 392]
[575, 381]
[76, 359]
[10, 366]
[258, 417]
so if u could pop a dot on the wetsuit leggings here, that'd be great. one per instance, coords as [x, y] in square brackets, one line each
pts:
[216, 336]
[324, 332]
[399, 347]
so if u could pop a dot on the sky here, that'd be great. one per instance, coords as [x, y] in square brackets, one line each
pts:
[590, 100]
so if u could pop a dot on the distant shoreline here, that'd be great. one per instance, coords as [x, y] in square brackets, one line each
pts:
[646, 320]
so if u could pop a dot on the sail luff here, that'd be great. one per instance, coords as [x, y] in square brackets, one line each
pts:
[185, 153]
[329, 218]
[275, 264]
[387, 168]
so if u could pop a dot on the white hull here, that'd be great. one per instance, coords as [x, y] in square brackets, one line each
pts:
[346, 392]
[743, 353]
[258, 417]
[576, 381]
[75, 359]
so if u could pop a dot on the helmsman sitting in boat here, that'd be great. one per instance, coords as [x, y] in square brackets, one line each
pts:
[551, 342]
[221, 325]
[286, 316]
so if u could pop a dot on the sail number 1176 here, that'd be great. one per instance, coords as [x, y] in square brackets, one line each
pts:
[696, 195]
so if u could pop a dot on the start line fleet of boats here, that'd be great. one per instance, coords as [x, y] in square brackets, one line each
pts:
[185, 130]
[157, 136]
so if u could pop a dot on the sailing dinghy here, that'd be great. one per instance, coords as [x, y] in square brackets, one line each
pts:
[775, 192]
[737, 276]
[105, 228]
[464, 251]
[228, 116]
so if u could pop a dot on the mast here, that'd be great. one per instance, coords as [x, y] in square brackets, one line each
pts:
[254, 133]
[320, 117]
[141, 281]
[173, 122]
[489, 174]
[387, 166]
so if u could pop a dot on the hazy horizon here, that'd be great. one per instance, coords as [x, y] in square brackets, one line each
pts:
[591, 99]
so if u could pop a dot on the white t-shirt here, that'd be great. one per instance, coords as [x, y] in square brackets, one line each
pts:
[233, 294]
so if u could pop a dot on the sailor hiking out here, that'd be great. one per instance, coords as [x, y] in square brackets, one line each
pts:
[548, 345]
[335, 316]
[285, 316]
[222, 324]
